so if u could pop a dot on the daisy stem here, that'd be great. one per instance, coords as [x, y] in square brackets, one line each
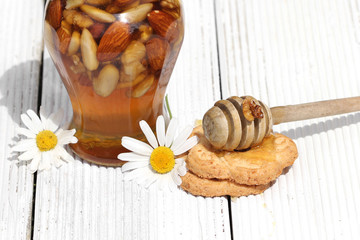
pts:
[168, 106]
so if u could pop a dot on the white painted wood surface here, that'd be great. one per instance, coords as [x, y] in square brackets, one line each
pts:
[84, 201]
[288, 52]
[20, 56]
[283, 52]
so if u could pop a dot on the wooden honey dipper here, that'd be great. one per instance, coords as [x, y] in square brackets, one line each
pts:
[241, 122]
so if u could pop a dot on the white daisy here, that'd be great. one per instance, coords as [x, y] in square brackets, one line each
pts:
[44, 143]
[157, 162]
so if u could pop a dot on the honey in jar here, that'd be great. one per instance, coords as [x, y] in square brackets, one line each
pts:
[115, 58]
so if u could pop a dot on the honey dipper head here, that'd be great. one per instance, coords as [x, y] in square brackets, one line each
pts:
[237, 123]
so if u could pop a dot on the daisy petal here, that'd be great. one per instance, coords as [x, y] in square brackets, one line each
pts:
[181, 138]
[25, 132]
[66, 136]
[150, 181]
[28, 123]
[176, 178]
[46, 158]
[170, 133]
[190, 143]
[179, 161]
[36, 120]
[24, 145]
[148, 134]
[58, 163]
[133, 157]
[33, 167]
[132, 175]
[163, 182]
[29, 155]
[133, 165]
[64, 155]
[136, 146]
[182, 171]
[160, 130]
[54, 120]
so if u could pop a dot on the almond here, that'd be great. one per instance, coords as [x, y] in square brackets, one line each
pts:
[74, 44]
[70, 4]
[64, 36]
[88, 50]
[164, 24]
[114, 41]
[123, 3]
[107, 80]
[97, 30]
[157, 50]
[98, 14]
[54, 13]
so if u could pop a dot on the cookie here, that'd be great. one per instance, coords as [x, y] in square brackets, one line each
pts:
[215, 188]
[258, 166]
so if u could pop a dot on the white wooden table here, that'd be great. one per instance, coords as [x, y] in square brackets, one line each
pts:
[280, 51]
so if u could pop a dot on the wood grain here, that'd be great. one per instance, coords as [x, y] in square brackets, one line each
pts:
[85, 201]
[20, 57]
[291, 52]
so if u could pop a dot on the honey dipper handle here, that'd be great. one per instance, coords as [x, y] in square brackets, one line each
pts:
[315, 110]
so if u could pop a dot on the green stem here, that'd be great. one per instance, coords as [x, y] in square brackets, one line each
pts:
[168, 106]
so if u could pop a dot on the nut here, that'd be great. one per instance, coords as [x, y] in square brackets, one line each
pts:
[54, 13]
[70, 4]
[157, 50]
[136, 14]
[134, 52]
[97, 30]
[133, 70]
[170, 4]
[143, 87]
[145, 32]
[88, 51]
[114, 41]
[132, 5]
[64, 36]
[98, 2]
[123, 3]
[124, 83]
[97, 14]
[252, 109]
[113, 9]
[164, 24]
[78, 66]
[77, 18]
[107, 80]
[74, 44]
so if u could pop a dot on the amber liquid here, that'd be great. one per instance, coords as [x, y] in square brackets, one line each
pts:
[101, 121]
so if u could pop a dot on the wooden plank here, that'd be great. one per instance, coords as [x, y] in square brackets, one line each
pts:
[84, 201]
[20, 60]
[287, 52]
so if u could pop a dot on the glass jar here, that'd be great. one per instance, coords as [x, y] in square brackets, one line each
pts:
[115, 58]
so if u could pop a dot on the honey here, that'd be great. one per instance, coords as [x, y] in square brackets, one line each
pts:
[115, 59]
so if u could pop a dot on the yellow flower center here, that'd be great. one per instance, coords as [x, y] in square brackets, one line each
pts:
[46, 140]
[162, 160]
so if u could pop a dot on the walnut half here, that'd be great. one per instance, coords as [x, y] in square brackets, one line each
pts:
[252, 109]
